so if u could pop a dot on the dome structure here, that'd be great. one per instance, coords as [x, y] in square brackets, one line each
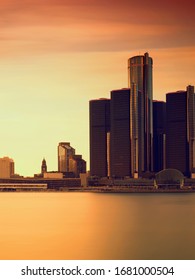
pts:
[169, 177]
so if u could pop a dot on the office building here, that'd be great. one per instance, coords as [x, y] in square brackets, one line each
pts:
[64, 153]
[141, 123]
[159, 135]
[180, 107]
[121, 128]
[77, 165]
[99, 137]
[6, 167]
[120, 162]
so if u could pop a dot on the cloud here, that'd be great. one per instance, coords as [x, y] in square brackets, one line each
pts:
[59, 25]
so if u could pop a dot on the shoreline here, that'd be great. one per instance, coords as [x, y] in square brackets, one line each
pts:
[103, 189]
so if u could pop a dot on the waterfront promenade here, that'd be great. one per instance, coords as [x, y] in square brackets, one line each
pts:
[106, 186]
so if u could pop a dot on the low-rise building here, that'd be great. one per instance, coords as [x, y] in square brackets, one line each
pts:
[6, 167]
[52, 175]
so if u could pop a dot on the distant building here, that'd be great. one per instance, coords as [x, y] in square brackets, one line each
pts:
[120, 160]
[159, 135]
[64, 153]
[43, 166]
[180, 131]
[52, 175]
[99, 137]
[6, 167]
[77, 165]
[84, 179]
[70, 164]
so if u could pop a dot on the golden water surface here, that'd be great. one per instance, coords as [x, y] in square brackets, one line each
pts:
[97, 226]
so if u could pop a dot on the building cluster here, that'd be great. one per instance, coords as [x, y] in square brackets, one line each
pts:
[131, 135]
[70, 165]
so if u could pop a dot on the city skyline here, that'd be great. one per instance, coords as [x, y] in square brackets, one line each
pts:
[57, 57]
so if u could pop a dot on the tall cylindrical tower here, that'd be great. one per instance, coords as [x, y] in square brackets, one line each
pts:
[141, 122]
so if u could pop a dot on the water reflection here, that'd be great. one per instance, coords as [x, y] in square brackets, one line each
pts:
[97, 226]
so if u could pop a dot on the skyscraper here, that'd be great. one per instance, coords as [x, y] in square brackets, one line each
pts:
[141, 124]
[77, 165]
[159, 138]
[64, 153]
[180, 131]
[120, 133]
[100, 137]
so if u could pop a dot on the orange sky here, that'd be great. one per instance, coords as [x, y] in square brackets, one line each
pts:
[40, 26]
[56, 55]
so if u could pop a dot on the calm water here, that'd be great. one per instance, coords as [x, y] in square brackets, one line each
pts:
[97, 226]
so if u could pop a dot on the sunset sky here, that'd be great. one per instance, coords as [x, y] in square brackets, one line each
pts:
[56, 55]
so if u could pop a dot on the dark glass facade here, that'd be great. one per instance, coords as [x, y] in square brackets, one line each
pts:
[141, 126]
[132, 135]
[120, 133]
[159, 135]
[180, 131]
[191, 127]
[99, 137]
[64, 153]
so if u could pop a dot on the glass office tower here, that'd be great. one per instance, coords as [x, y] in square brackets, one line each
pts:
[120, 133]
[159, 135]
[141, 115]
[99, 137]
[180, 131]
[64, 153]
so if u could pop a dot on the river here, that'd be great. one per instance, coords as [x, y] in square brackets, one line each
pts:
[91, 226]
